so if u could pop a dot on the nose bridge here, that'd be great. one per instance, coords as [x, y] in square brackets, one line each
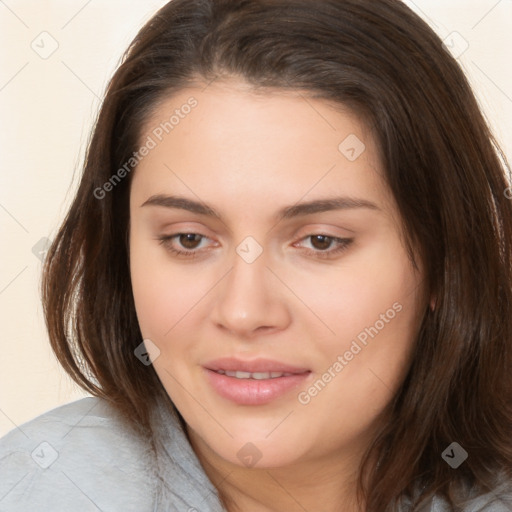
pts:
[248, 298]
[247, 282]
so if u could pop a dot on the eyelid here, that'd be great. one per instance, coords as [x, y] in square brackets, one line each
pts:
[340, 244]
[167, 239]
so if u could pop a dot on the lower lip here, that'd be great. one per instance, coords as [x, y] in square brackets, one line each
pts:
[254, 391]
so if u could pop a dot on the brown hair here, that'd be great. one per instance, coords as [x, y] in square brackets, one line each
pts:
[443, 166]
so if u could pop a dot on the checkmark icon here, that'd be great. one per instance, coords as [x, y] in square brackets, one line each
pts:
[45, 45]
[249, 249]
[352, 147]
[147, 352]
[454, 455]
[249, 455]
[456, 44]
[40, 249]
[351, 152]
[44, 455]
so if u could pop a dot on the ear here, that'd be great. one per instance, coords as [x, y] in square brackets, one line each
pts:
[432, 303]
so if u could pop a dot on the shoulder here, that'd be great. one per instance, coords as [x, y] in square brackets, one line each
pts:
[76, 457]
[499, 499]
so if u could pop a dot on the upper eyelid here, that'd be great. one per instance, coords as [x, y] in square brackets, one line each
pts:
[289, 224]
[336, 239]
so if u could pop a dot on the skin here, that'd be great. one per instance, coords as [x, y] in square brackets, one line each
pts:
[248, 155]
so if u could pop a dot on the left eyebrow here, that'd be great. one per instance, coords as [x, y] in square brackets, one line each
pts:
[288, 212]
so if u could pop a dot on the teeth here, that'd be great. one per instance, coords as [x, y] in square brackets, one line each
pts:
[255, 375]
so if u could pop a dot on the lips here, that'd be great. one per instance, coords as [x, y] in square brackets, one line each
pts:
[256, 366]
[256, 391]
[256, 382]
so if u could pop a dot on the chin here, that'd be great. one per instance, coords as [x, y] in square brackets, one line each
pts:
[258, 452]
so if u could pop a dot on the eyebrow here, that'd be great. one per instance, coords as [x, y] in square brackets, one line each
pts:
[288, 212]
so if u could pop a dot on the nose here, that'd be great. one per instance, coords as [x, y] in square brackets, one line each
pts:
[251, 300]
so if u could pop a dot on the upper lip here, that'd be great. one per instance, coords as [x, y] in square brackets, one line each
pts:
[253, 366]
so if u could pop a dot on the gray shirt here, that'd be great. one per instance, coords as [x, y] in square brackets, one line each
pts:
[82, 456]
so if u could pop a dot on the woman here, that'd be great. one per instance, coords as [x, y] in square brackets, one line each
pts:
[285, 278]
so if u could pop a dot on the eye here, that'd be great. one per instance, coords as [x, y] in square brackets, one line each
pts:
[188, 241]
[322, 245]
[189, 244]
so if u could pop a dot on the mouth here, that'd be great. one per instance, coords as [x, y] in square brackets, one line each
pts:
[255, 375]
[256, 382]
[231, 366]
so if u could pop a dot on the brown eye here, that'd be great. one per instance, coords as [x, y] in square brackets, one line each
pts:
[183, 244]
[325, 246]
[321, 242]
[189, 240]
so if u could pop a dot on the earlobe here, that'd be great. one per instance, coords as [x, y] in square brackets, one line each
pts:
[432, 303]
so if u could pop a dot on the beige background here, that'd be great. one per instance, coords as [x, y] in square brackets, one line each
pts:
[47, 104]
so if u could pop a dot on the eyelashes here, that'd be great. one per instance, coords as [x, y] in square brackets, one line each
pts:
[168, 241]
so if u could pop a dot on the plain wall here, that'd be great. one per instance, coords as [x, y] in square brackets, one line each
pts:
[47, 105]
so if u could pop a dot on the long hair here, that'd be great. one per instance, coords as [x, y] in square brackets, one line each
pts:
[443, 166]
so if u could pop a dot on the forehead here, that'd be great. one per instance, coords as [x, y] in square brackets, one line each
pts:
[231, 141]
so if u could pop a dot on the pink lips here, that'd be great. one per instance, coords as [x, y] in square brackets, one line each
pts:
[249, 391]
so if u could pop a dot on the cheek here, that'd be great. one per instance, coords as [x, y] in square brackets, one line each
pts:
[169, 297]
[372, 307]
[161, 296]
[352, 296]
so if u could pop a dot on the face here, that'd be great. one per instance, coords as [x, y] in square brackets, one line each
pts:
[268, 269]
